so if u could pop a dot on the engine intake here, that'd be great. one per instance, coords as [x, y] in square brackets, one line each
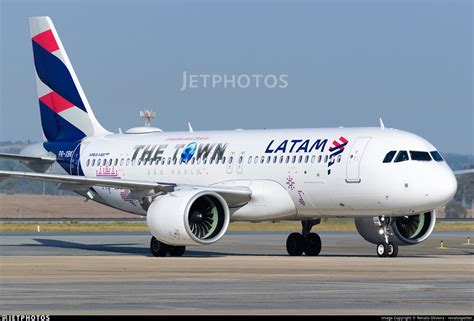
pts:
[188, 217]
[407, 230]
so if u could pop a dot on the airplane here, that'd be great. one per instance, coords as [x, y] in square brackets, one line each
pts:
[190, 185]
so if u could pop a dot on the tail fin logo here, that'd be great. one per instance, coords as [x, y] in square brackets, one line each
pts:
[65, 112]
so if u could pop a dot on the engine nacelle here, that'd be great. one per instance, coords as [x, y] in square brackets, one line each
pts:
[407, 230]
[188, 217]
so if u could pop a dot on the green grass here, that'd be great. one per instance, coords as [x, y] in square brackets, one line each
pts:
[330, 225]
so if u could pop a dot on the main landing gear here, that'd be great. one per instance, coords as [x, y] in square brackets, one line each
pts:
[307, 242]
[386, 248]
[159, 248]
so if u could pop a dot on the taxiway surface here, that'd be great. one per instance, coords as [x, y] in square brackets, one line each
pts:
[244, 273]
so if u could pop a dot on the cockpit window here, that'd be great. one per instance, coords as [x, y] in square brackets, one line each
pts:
[436, 156]
[401, 156]
[388, 158]
[420, 156]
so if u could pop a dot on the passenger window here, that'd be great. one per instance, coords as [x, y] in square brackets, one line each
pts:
[436, 156]
[128, 161]
[313, 158]
[339, 158]
[88, 162]
[274, 159]
[231, 158]
[420, 156]
[319, 158]
[262, 159]
[281, 159]
[93, 163]
[255, 161]
[401, 156]
[326, 158]
[389, 157]
[287, 159]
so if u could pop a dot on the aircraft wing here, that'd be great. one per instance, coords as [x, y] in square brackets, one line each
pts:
[464, 172]
[233, 195]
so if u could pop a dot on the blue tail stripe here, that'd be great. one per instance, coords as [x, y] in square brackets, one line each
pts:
[48, 122]
[52, 71]
[56, 128]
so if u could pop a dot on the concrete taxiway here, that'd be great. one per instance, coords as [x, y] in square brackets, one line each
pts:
[244, 273]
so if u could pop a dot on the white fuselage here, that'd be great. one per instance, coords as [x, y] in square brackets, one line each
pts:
[294, 174]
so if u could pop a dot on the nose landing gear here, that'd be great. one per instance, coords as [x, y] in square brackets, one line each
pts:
[307, 242]
[386, 248]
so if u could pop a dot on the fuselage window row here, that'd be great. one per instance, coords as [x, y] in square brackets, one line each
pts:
[251, 159]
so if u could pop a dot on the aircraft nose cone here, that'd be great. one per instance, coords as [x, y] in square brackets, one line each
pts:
[446, 186]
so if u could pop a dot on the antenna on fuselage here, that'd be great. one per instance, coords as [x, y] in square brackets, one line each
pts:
[148, 116]
[190, 127]
[382, 126]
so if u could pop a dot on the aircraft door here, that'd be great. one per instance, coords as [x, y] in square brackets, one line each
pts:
[353, 161]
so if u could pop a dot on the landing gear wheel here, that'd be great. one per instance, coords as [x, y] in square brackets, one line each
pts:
[295, 244]
[382, 250]
[177, 250]
[392, 250]
[158, 248]
[313, 244]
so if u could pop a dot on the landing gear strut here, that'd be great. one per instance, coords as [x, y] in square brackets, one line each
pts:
[159, 248]
[307, 242]
[386, 248]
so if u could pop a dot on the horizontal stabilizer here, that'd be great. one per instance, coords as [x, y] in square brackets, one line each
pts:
[45, 159]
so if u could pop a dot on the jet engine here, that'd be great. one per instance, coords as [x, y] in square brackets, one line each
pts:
[406, 230]
[188, 217]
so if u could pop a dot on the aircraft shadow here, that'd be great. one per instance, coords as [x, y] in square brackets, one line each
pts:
[135, 249]
[118, 248]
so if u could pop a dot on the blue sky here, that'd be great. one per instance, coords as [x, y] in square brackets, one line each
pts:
[348, 63]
